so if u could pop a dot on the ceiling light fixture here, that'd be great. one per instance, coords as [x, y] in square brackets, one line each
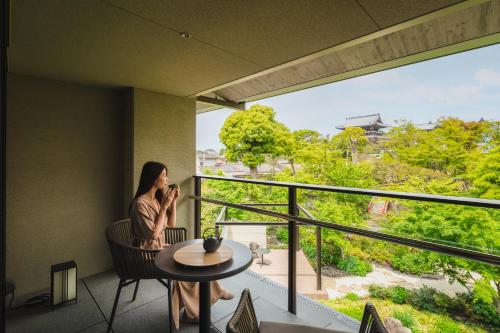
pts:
[185, 35]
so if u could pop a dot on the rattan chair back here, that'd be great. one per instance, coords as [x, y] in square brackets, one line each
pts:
[371, 323]
[132, 262]
[244, 319]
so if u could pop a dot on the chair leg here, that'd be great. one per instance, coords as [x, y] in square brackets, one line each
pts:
[118, 291]
[169, 291]
[135, 290]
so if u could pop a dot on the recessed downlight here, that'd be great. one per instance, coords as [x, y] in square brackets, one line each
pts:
[185, 35]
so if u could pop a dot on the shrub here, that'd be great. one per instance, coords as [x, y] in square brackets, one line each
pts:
[282, 235]
[406, 319]
[377, 291]
[355, 266]
[483, 291]
[398, 295]
[460, 305]
[423, 299]
[443, 302]
[446, 325]
[352, 297]
[410, 261]
[330, 255]
[486, 313]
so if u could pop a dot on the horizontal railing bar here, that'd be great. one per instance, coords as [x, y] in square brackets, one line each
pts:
[475, 202]
[254, 223]
[425, 245]
[265, 204]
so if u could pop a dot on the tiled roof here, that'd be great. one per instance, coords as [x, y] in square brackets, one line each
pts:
[371, 120]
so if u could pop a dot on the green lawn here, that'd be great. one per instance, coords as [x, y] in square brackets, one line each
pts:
[417, 321]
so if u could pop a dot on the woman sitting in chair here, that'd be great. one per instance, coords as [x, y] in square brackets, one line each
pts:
[151, 211]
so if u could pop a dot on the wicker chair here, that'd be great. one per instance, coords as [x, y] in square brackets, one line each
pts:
[133, 264]
[244, 320]
[371, 323]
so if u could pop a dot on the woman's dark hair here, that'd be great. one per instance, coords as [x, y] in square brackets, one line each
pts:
[150, 171]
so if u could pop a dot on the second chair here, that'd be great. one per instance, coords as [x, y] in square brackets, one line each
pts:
[244, 320]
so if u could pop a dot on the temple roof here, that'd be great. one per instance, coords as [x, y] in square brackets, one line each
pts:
[368, 121]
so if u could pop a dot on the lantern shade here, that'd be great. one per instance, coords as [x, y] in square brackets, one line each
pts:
[63, 283]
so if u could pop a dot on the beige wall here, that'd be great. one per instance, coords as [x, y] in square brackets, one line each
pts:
[74, 157]
[64, 174]
[164, 130]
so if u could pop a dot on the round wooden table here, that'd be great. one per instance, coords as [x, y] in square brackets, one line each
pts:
[242, 259]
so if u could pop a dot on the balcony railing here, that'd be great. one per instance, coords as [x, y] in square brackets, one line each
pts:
[294, 220]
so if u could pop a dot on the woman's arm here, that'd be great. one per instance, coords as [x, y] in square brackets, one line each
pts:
[160, 222]
[167, 201]
[172, 212]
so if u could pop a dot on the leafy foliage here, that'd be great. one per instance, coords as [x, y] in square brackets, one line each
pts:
[457, 158]
[250, 135]
[355, 266]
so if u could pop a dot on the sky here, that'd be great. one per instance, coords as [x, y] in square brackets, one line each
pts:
[464, 85]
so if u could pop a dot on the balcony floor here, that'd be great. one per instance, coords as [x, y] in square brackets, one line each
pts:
[149, 311]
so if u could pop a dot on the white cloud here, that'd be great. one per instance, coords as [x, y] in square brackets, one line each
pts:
[487, 77]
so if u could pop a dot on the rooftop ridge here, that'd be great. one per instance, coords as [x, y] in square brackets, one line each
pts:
[365, 116]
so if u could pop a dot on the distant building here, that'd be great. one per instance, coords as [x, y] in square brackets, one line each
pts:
[208, 158]
[372, 124]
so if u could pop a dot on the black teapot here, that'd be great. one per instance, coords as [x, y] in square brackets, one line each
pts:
[211, 243]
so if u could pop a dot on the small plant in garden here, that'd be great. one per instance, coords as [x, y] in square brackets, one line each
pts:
[282, 235]
[445, 325]
[406, 319]
[399, 295]
[377, 291]
[355, 266]
[423, 299]
[352, 297]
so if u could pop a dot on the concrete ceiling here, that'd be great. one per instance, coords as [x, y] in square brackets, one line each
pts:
[123, 43]
[466, 28]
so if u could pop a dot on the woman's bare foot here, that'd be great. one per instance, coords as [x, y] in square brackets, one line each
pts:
[227, 295]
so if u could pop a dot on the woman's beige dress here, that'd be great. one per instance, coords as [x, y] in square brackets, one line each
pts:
[185, 294]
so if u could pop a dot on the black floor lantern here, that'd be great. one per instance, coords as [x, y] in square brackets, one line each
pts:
[63, 283]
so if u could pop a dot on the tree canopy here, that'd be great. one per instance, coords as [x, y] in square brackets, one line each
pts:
[251, 135]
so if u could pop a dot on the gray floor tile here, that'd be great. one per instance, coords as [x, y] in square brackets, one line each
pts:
[97, 328]
[223, 308]
[103, 286]
[151, 317]
[66, 318]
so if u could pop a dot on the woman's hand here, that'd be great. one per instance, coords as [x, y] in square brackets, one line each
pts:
[177, 193]
[167, 199]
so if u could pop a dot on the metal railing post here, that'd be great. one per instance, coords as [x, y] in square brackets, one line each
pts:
[292, 253]
[318, 258]
[297, 244]
[197, 208]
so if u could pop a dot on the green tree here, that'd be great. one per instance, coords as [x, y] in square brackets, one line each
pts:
[352, 138]
[306, 145]
[448, 148]
[251, 135]
[485, 175]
